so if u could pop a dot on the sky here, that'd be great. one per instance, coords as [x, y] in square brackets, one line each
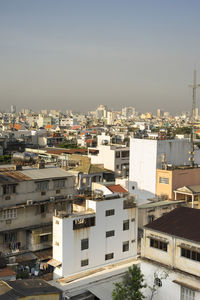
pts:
[76, 54]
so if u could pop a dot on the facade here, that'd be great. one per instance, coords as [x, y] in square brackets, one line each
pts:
[114, 158]
[28, 200]
[101, 233]
[146, 156]
[171, 255]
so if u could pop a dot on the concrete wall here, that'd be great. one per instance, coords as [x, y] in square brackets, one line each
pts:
[68, 249]
[146, 156]
[169, 289]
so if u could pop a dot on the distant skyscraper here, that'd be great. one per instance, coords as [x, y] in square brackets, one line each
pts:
[13, 109]
[128, 112]
[159, 113]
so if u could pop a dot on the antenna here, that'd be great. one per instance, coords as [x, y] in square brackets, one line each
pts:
[194, 87]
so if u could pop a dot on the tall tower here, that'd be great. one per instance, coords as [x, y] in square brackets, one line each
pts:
[194, 87]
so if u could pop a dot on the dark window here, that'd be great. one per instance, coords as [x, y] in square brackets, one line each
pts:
[109, 256]
[125, 246]
[9, 189]
[110, 233]
[110, 212]
[117, 154]
[84, 244]
[43, 193]
[126, 225]
[44, 238]
[42, 186]
[83, 223]
[42, 209]
[59, 183]
[10, 237]
[125, 153]
[194, 255]
[57, 191]
[158, 244]
[84, 262]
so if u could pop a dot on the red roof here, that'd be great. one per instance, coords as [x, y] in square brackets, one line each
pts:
[116, 188]
[4, 272]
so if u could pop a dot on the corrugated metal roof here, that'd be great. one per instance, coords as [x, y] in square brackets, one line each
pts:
[160, 203]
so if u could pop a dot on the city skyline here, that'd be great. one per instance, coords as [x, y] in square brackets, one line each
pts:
[77, 54]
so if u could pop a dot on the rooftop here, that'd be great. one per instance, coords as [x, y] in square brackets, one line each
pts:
[181, 222]
[22, 288]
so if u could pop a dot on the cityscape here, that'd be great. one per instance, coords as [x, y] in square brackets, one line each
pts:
[99, 150]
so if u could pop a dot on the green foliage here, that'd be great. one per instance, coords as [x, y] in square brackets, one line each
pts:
[183, 130]
[23, 275]
[5, 159]
[131, 285]
[68, 145]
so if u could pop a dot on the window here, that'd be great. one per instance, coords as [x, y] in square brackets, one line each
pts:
[194, 255]
[126, 225]
[110, 233]
[109, 212]
[9, 189]
[125, 246]
[84, 244]
[187, 294]
[10, 237]
[83, 223]
[42, 209]
[59, 184]
[42, 186]
[9, 214]
[109, 256]
[164, 180]
[117, 154]
[84, 262]
[151, 218]
[44, 238]
[57, 243]
[125, 153]
[158, 244]
[117, 167]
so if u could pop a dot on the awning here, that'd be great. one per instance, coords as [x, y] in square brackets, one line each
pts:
[25, 257]
[45, 233]
[188, 286]
[54, 263]
[44, 254]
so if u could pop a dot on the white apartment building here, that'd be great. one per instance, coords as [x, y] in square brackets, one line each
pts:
[115, 158]
[148, 155]
[170, 256]
[102, 233]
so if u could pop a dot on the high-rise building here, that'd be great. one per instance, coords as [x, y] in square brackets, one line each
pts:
[13, 109]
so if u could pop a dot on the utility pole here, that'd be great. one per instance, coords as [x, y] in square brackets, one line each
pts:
[194, 87]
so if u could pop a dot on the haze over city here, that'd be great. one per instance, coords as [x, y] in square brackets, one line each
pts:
[77, 54]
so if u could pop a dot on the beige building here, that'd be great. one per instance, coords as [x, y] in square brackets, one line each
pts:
[171, 255]
[167, 181]
[29, 198]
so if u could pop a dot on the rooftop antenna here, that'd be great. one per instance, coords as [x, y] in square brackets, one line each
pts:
[194, 87]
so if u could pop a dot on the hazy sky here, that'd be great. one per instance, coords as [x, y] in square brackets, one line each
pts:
[76, 54]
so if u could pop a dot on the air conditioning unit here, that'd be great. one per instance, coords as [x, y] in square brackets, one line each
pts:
[12, 260]
[29, 202]
[52, 199]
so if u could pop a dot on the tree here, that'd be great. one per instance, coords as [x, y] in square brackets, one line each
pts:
[131, 285]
